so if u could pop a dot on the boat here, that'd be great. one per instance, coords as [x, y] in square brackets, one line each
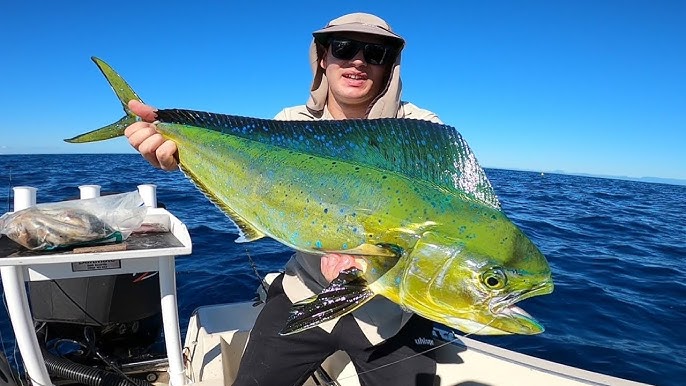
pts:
[215, 336]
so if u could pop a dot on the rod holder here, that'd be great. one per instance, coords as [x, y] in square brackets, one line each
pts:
[89, 191]
[149, 194]
[24, 197]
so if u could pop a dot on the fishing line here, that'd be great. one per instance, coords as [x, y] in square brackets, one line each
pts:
[254, 269]
[15, 354]
[421, 353]
[77, 304]
[402, 360]
[89, 335]
[328, 381]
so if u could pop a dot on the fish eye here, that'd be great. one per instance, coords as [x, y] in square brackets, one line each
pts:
[494, 278]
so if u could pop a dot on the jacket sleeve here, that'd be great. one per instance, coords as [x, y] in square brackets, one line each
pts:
[282, 115]
[295, 113]
[411, 111]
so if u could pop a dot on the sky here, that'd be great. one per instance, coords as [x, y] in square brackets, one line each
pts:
[580, 86]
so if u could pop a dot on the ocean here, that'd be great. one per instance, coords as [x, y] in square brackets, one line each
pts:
[617, 250]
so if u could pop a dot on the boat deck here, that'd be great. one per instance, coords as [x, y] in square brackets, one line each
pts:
[217, 335]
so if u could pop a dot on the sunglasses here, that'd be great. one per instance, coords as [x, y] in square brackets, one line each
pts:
[346, 49]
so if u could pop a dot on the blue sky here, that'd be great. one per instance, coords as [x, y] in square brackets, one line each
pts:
[580, 86]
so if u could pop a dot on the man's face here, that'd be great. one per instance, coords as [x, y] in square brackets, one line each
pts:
[354, 81]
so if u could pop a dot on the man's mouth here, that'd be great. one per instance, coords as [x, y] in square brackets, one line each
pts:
[355, 76]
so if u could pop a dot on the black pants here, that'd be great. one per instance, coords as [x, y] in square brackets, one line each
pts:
[274, 360]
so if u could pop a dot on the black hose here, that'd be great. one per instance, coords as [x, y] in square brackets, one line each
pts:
[86, 375]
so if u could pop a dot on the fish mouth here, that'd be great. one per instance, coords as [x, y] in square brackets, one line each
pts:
[511, 319]
[503, 316]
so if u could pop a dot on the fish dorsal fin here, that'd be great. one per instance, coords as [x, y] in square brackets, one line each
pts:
[246, 231]
[414, 148]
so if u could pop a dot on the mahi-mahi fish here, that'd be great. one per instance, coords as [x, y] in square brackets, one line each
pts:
[406, 197]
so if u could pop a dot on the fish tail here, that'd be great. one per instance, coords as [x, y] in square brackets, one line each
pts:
[125, 93]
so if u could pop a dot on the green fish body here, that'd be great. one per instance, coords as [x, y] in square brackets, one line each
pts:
[406, 196]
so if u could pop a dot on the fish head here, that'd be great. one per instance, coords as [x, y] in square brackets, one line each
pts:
[472, 284]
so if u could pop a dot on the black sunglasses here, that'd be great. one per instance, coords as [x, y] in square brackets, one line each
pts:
[346, 49]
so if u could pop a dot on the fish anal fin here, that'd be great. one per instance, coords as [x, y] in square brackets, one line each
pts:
[346, 293]
[246, 230]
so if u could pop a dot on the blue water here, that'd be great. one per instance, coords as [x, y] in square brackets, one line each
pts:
[617, 250]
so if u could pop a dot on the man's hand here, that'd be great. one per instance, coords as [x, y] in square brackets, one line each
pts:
[333, 263]
[143, 136]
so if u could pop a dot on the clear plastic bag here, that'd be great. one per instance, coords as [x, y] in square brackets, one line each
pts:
[78, 222]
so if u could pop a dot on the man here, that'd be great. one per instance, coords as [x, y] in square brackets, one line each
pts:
[356, 65]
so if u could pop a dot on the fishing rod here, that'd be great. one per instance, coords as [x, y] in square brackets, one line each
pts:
[9, 190]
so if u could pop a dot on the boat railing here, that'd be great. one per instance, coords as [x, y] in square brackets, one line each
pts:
[18, 266]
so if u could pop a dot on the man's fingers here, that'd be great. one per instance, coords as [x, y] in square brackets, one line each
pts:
[152, 159]
[143, 136]
[148, 148]
[138, 132]
[328, 266]
[151, 144]
[332, 264]
[166, 155]
[147, 113]
[343, 262]
[157, 150]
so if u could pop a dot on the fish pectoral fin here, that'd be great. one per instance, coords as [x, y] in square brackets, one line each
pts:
[381, 250]
[345, 294]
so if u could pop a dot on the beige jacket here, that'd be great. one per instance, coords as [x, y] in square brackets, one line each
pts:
[379, 319]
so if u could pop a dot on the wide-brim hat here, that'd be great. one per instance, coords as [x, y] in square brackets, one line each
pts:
[362, 23]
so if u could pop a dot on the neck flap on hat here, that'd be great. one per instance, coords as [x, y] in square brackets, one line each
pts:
[385, 105]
